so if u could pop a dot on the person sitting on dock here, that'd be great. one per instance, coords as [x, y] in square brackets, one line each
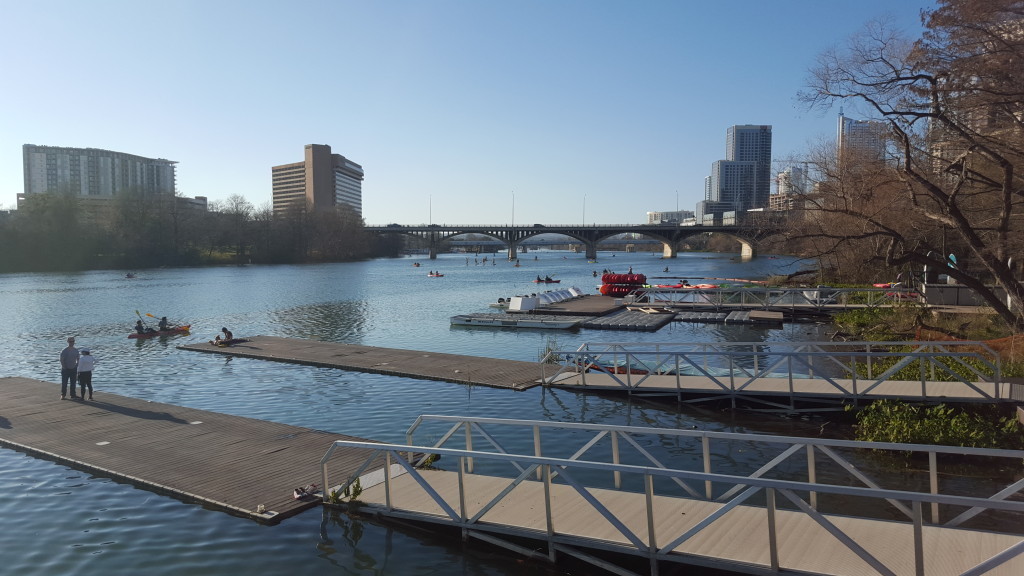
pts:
[224, 337]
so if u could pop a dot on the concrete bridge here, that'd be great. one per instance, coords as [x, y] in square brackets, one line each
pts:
[748, 231]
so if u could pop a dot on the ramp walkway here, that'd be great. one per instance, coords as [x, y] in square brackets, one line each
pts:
[788, 376]
[603, 492]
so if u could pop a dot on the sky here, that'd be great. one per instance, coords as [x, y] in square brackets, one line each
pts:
[459, 111]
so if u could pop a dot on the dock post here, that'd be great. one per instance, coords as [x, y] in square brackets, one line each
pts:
[469, 446]
[536, 447]
[547, 513]
[652, 541]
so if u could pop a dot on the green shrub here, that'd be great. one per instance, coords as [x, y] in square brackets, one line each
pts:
[896, 421]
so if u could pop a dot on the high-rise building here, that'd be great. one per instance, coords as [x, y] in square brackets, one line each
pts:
[674, 217]
[742, 180]
[865, 138]
[322, 181]
[91, 172]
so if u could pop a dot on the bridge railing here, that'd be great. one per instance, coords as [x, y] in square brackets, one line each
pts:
[786, 477]
[778, 298]
[853, 369]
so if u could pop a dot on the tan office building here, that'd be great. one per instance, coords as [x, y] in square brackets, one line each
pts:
[323, 181]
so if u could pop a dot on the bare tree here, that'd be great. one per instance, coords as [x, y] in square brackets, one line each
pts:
[953, 105]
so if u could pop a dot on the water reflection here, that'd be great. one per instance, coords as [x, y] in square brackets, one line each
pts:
[337, 321]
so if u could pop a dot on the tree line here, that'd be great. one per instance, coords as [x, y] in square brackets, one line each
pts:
[64, 232]
[945, 195]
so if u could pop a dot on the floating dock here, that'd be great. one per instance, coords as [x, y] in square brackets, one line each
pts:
[630, 320]
[734, 317]
[230, 463]
[494, 372]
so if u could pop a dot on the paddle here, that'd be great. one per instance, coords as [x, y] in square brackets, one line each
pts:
[170, 325]
[147, 328]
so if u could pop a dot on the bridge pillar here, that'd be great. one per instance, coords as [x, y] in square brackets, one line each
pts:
[669, 250]
[433, 251]
[591, 250]
[747, 251]
[512, 253]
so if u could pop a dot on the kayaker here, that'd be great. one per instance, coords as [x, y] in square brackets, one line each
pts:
[163, 324]
[141, 328]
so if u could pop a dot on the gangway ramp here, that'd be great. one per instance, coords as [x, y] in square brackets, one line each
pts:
[771, 520]
[788, 376]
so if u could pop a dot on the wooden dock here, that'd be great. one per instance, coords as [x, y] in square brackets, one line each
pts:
[497, 373]
[227, 462]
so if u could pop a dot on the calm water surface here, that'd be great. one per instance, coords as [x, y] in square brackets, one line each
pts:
[56, 520]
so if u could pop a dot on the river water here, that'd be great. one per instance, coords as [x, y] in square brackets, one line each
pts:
[57, 520]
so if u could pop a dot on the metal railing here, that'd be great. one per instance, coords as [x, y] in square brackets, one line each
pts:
[586, 459]
[820, 298]
[852, 370]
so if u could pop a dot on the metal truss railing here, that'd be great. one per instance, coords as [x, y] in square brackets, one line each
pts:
[820, 298]
[576, 456]
[853, 370]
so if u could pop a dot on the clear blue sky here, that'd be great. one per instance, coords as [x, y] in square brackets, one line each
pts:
[457, 110]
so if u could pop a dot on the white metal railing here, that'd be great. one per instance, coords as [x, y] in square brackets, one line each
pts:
[852, 369]
[628, 458]
[821, 297]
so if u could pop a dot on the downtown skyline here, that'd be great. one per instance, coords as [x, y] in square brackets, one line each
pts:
[595, 110]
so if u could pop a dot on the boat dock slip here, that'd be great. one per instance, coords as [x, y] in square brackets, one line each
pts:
[227, 462]
[512, 374]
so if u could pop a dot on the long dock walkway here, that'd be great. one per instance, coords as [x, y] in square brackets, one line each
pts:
[227, 462]
[737, 539]
[498, 373]
[789, 505]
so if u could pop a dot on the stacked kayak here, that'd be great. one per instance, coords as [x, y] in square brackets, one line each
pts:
[618, 285]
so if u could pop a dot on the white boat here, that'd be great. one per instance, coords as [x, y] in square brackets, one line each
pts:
[516, 321]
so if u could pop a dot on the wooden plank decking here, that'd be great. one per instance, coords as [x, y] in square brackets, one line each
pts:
[498, 373]
[739, 538]
[228, 462]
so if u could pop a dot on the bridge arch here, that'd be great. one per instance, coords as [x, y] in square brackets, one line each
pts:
[590, 236]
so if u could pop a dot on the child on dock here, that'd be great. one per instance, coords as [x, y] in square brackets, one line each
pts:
[86, 363]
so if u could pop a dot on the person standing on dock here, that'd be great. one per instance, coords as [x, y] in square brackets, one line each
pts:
[68, 368]
[86, 362]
